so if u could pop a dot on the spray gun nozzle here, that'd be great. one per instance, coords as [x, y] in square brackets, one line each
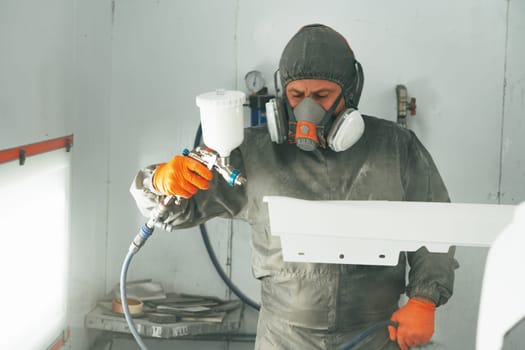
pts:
[236, 178]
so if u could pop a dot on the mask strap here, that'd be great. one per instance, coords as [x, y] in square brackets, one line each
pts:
[329, 113]
[289, 110]
[324, 122]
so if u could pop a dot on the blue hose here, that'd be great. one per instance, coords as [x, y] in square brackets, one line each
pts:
[213, 257]
[124, 299]
[222, 273]
[366, 333]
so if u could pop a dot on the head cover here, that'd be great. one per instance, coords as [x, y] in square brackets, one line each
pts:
[319, 52]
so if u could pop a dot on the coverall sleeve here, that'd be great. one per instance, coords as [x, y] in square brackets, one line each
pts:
[220, 200]
[431, 274]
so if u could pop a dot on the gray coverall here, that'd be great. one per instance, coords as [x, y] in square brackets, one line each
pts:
[322, 306]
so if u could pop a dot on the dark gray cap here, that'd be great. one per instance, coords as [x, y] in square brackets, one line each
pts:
[317, 51]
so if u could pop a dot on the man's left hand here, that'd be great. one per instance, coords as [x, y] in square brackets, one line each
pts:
[415, 323]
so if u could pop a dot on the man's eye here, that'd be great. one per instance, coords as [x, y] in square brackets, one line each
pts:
[320, 96]
[297, 94]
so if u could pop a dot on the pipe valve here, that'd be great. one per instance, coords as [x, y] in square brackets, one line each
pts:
[404, 105]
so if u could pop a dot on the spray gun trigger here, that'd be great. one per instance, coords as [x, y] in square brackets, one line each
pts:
[211, 161]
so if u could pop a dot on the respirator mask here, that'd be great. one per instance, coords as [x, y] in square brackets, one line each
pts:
[309, 126]
[317, 52]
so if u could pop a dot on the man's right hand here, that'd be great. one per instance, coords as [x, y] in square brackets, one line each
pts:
[182, 176]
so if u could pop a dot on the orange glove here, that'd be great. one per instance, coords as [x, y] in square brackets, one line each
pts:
[415, 323]
[181, 176]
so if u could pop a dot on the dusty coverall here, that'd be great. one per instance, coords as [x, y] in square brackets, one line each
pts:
[322, 306]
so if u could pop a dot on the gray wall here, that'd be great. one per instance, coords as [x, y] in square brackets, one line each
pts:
[37, 48]
[55, 80]
[124, 82]
[91, 125]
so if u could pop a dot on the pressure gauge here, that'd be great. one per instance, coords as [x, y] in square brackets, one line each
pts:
[254, 81]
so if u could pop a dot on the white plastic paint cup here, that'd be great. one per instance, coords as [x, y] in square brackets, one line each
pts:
[222, 119]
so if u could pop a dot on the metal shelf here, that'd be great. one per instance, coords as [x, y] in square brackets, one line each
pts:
[99, 318]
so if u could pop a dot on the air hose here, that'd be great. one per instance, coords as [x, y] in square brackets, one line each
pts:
[220, 271]
[125, 306]
[211, 252]
[138, 242]
[366, 333]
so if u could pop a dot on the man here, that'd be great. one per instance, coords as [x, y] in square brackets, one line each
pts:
[324, 157]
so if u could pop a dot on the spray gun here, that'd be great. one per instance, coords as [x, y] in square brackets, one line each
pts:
[222, 130]
[210, 159]
[213, 160]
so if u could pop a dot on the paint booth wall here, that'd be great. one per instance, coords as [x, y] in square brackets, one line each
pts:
[461, 60]
[123, 75]
[55, 81]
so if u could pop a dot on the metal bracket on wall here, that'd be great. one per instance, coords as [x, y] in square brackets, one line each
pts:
[22, 152]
